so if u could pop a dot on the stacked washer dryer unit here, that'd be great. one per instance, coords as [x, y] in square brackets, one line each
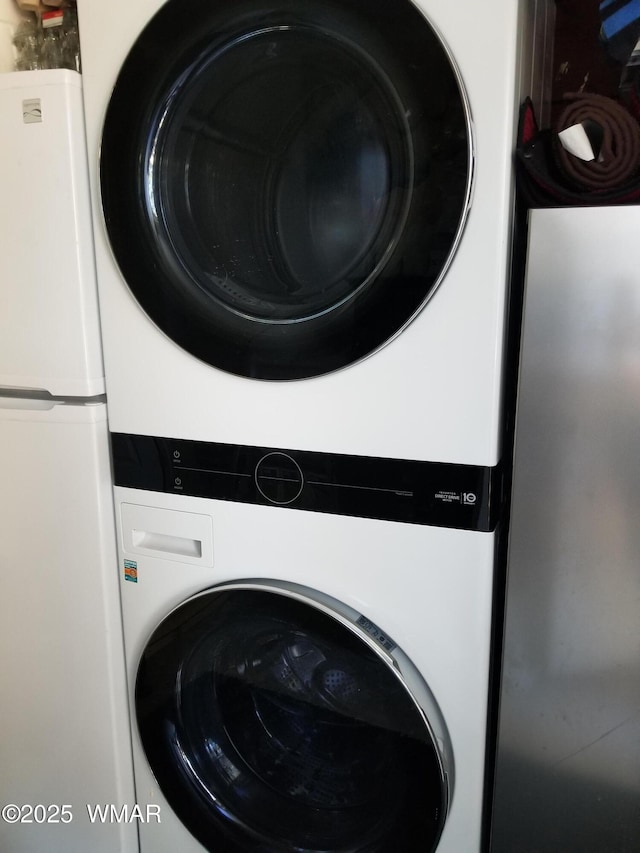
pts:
[303, 218]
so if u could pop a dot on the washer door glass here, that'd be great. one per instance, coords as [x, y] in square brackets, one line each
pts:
[271, 726]
[284, 184]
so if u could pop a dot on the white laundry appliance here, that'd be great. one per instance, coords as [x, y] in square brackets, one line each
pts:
[64, 739]
[303, 680]
[303, 220]
[303, 224]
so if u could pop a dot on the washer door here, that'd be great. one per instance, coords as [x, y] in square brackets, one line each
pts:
[274, 720]
[284, 184]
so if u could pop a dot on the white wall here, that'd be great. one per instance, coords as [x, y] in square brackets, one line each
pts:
[10, 16]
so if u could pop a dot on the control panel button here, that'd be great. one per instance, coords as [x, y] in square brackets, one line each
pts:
[279, 478]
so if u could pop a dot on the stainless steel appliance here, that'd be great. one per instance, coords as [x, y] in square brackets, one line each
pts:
[568, 770]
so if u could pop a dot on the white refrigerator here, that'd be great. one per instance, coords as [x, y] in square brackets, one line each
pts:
[64, 733]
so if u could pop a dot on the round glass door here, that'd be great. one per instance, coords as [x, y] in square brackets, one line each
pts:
[284, 184]
[271, 725]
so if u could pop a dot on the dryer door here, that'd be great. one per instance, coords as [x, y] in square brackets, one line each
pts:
[284, 184]
[276, 719]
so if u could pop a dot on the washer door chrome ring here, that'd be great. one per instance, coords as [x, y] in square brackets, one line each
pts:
[276, 717]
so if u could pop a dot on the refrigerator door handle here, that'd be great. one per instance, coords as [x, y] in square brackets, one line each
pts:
[31, 404]
[45, 408]
[35, 400]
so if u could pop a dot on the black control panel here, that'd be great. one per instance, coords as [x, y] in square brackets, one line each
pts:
[467, 497]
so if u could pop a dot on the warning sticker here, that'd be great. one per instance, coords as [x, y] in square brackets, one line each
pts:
[131, 571]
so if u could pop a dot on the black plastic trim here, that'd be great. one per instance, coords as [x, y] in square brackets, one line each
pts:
[466, 497]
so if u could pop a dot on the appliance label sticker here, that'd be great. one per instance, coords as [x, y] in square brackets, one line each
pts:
[448, 497]
[372, 629]
[467, 498]
[131, 571]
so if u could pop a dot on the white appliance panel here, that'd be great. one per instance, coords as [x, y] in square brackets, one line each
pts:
[65, 738]
[50, 337]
